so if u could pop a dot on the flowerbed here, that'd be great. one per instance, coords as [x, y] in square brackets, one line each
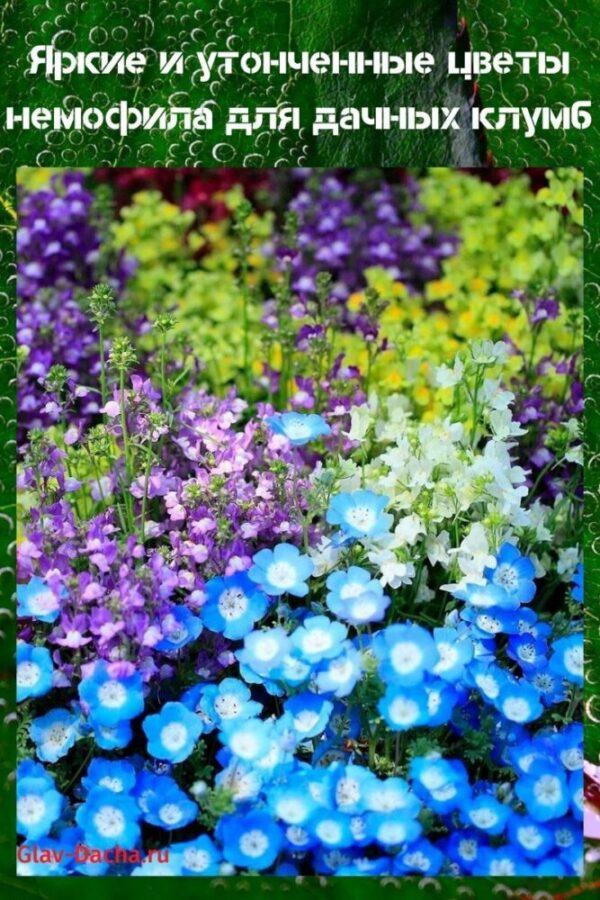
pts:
[300, 501]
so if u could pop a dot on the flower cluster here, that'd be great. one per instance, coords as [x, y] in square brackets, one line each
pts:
[299, 579]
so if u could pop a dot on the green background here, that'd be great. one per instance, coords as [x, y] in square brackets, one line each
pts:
[192, 25]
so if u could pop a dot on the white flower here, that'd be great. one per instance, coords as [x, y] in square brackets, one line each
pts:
[392, 572]
[436, 547]
[568, 560]
[575, 454]
[503, 425]
[407, 530]
[360, 419]
[474, 555]
[487, 352]
[445, 377]
[325, 556]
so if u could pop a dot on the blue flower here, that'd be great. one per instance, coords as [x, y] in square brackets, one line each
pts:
[319, 638]
[404, 707]
[501, 861]
[249, 740]
[283, 570]
[519, 702]
[568, 744]
[544, 791]
[264, 650]
[299, 429]
[250, 840]
[338, 676]
[355, 597]
[454, 650]
[360, 514]
[488, 678]
[390, 795]
[486, 813]
[533, 839]
[39, 804]
[199, 856]
[292, 803]
[310, 713]
[421, 857]
[112, 698]
[513, 574]
[528, 651]
[34, 671]
[108, 819]
[390, 830]
[115, 775]
[406, 653]
[180, 626]
[36, 600]
[234, 604]
[577, 584]
[54, 734]
[349, 787]
[228, 701]
[169, 807]
[331, 828]
[172, 733]
[441, 782]
[567, 658]
[112, 737]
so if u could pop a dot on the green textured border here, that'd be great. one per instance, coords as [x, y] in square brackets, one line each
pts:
[493, 25]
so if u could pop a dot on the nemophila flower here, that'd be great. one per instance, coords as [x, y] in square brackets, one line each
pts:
[234, 605]
[500, 861]
[355, 597]
[229, 701]
[421, 856]
[310, 713]
[488, 678]
[568, 743]
[390, 830]
[390, 795]
[464, 846]
[577, 584]
[529, 651]
[318, 638]
[116, 775]
[199, 856]
[349, 784]
[39, 804]
[251, 841]
[179, 627]
[54, 734]
[513, 574]
[297, 428]
[360, 514]
[567, 658]
[338, 676]
[249, 740]
[169, 807]
[242, 780]
[109, 819]
[576, 791]
[490, 622]
[37, 600]
[544, 791]
[403, 707]
[172, 733]
[112, 737]
[283, 570]
[440, 782]
[455, 651]
[442, 697]
[294, 670]
[331, 828]
[264, 650]
[291, 803]
[532, 838]
[485, 813]
[34, 671]
[519, 702]
[405, 652]
[112, 694]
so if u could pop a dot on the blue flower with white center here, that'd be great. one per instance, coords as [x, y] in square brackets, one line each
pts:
[567, 658]
[112, 696]
[319, 638]
[552, 688]
[35, 600]
[339, 676]
[501, 861]
[349, 784]
[54, 734]
[485, 813]
[528, 651]
[298, 839]
[566, 833]
[51, 859]
[366, 867]
[421, 857]
[229, 701]
[577, 584]
[39, 804]
[250, 841]
[404, 708]
[194, 698]
[390, 830]
[486, 596]
[464, 846]
[442, 697]
[513, 574]
[299, 428]
[170, 808]
[544, 791]
[112, 737]
[34, 671]
[172, 733]
[234, 605]
[331, 828]
[179, 627]
[241, 780]
[406, 652]
[264, 650]
[568, 745]
[440, 782]
[360, 514]
[355, 597]
[574, 862]
[294, 670]
[148, 785]
[490, 622]
[310, 713]
[108, 819]
[519, 702]
[524, 754]
[291, 803]
[391, 795]
[116, 775]
[198, 857]
[488, 678]
[455, 651]
[533, 839]
[248, 740]
[283, 570]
